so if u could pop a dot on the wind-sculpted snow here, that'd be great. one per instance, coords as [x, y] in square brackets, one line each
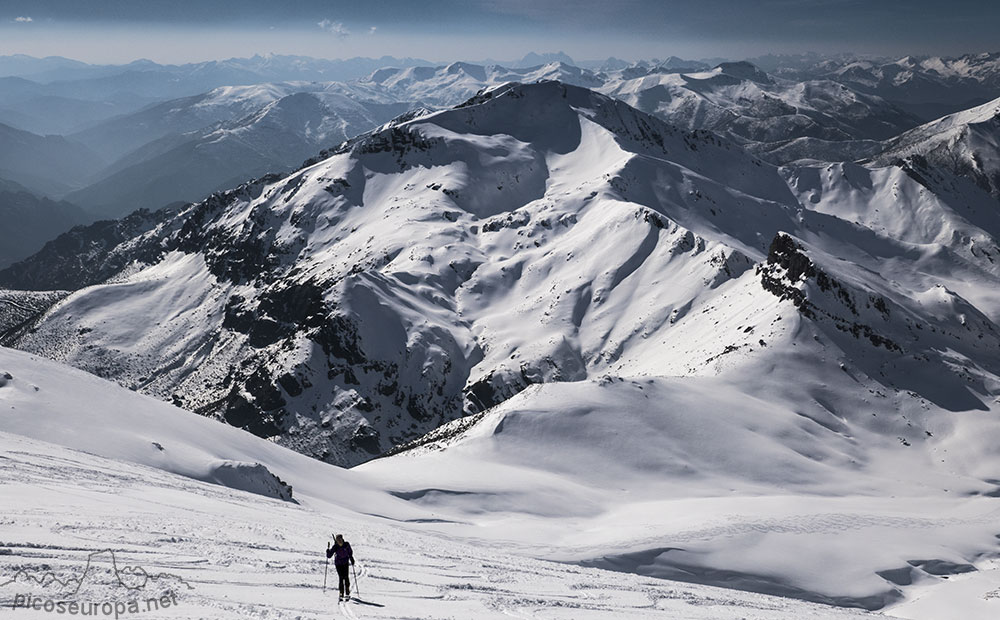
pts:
[222, 550]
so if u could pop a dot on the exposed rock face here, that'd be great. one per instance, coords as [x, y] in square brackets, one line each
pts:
[788, 268]
[87, 255]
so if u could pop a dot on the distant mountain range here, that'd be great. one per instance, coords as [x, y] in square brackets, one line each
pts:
[27, 222]
[50, 165]
[122, 147]
[929, 87]
[183, 149]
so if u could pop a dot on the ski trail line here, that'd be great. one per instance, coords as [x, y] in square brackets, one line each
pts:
[345, 608]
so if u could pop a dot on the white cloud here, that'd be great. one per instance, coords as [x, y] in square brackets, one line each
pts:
[372, 30]
[334, 28]
[23, 20]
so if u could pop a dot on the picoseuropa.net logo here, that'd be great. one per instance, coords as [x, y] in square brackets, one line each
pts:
[102, 588]
[115, 609]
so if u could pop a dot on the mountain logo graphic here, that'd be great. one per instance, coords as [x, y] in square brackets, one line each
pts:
[133, 578]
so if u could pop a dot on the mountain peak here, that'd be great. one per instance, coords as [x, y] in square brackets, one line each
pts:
[532, 59]
[477, 72]
[673, 63]
[745, 71]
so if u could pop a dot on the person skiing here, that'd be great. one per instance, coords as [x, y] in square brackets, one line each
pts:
[343, 556]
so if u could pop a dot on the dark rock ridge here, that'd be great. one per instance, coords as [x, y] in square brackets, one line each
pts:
[904, 348]
[788, 265]
[86, 255]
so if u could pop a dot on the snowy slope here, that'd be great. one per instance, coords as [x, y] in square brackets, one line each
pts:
[222, 551]
[71, 408]
[965, 144]
[698, 480]
[344, 375]
[90, 473]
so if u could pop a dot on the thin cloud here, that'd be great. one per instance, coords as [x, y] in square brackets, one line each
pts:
[334, 28]
[23, 20]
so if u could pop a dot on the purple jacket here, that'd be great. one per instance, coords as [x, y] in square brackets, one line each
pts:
[341, 555]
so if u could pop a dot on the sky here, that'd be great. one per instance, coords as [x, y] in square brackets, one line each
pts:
[112, 31]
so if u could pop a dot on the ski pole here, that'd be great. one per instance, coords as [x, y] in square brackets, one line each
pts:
[357, 589]
[326, 568]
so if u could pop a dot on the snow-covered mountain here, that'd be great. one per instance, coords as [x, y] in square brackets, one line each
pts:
[678, 318]
[815, 119]
[452, 84]
[184, 149]
[62, 96]
[964, 145]
[241, 133]
[119, 136]
[928, 86]
[148, 79]
[534, 59]
[432, 224]
[304, 275]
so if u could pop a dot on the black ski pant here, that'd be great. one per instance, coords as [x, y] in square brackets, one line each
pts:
[343, 571]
